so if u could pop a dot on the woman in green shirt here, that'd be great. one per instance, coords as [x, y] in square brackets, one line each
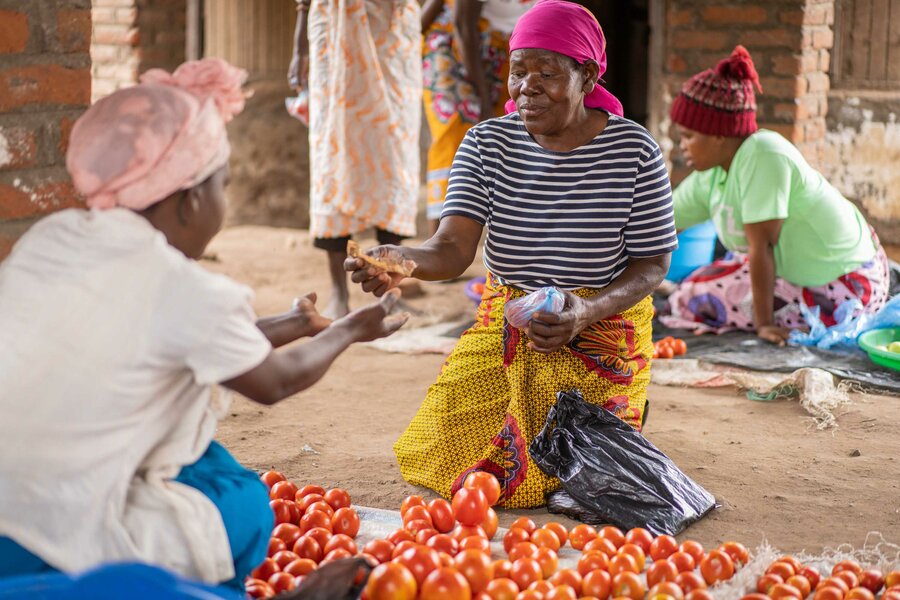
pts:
[793, 238]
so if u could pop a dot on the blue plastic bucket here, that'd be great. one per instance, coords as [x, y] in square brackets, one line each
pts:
[696, 246]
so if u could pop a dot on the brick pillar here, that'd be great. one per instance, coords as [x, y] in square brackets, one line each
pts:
[789, 41]
[45, 84]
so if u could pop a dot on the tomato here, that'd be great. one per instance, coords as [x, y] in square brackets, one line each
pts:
[284, 490]
[628, 585]
[461, 532]
[639, 537]
[530, 595]
[693, 548]
[502, 589]
[469, 506]
[401, 535]
[783, 590]
[288, 533]
[446, 559]
[682, 561]
[306, 490]
[767, 581]
[380, 549]
[270, 478]
[859, 593]
[443, 543]
[756, 596]
[257, 588]
[560, 530]
[569, 577]
[320, 506]
[846, 565]
[299, 567]
[424, 535]
[275, 545]
[485, 482]
[872, 580]
[445, 584]
[580, 535]
[665, 352]
[603, 545]
[834, 582]
[829, 593]
[307, 547]
[539, 587]
[690, 581]
[661, 570]
[545, 538]
[622, 563]
[596, 583]
[592, 561]
[319, 534]
[502, 568]
[281, 511]
[801, 583]
[442, 515]
[409, 502]
[284, 558]
[476, 567]
[417, 525]
[490, 524]
[892, 579]
[524, 523]
[737, 551]
[663, 547]
[679, 347]
[514, 536]
[339, 540]
[345, 521]
[849, 577]
[811, 574]
[667, 588]
[636, 553]
[265, 569]
[474, 542]
[281, 582]
[613, 534]
[337, 498]
[313, 519]
[525, 571]
[561, 592]
[717, 566]
[402, 547]
[391, 581]
[336, 554]
[523, 550]
[417, 513]
[420, 560]
[308, 500]
[549, 561]
[702, 594]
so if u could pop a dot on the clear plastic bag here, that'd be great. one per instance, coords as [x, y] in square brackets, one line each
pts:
[518, 312]
[851, 322]
[298, 106]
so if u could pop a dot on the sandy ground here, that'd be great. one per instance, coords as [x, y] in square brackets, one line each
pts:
[775, 476]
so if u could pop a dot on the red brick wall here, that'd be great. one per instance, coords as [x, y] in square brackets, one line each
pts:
[45, 84]
[789, 41]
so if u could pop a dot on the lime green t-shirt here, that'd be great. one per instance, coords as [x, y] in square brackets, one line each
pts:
[823, 235]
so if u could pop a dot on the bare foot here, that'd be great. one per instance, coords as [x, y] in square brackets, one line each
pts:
[337, 307]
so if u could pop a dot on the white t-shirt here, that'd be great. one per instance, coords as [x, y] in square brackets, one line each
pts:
[502, 15]
[111, 343]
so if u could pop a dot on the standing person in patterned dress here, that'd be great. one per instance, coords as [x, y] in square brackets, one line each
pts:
[465, 66]
[572, 195]
[364, 63]
[795, 239]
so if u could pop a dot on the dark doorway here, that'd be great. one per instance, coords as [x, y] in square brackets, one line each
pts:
[626, 24]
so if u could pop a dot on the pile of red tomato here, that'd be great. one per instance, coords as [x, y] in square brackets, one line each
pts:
[788, 579]
[443, 552]
[669, 347]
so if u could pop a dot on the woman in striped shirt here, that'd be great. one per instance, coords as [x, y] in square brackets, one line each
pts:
[574, 196]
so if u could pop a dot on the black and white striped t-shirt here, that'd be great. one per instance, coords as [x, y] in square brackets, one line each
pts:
[569, 219]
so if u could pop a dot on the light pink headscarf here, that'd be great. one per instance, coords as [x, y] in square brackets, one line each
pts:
[139, 145]
[569, 29]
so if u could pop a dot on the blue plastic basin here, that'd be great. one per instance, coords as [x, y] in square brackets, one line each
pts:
[696, 246]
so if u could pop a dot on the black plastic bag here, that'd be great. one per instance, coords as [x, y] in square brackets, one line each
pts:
[613, 472]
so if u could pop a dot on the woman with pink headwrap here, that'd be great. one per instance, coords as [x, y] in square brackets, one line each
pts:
[573, 196]
[114, 337]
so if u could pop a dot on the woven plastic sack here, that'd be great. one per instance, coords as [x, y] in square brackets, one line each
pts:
[519, 311]
[614, 473]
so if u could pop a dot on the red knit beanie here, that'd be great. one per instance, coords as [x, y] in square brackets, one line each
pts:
[720, 101]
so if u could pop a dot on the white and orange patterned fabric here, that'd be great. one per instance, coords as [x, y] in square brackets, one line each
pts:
[365, 85]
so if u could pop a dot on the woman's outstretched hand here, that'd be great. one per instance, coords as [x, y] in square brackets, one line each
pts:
[309, 321]
[549, 332]
[375, 320]
[372, 279]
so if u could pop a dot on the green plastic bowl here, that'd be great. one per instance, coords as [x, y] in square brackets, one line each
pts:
[870, 340]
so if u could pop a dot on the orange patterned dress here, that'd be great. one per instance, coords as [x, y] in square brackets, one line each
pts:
[365, 85]
[493, 395]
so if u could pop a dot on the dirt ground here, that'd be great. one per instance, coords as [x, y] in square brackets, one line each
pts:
[775, 476]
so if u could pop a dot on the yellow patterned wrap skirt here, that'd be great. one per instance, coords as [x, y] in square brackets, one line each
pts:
[493, 395]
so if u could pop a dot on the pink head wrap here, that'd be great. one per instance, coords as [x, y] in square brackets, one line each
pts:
[569, 29]
[141, 144]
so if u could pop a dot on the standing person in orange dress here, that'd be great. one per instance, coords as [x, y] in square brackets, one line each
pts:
[363, 59]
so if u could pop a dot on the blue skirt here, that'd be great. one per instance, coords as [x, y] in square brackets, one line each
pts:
[238, 493]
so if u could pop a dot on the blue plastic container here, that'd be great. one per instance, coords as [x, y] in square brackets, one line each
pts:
[696, 246]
